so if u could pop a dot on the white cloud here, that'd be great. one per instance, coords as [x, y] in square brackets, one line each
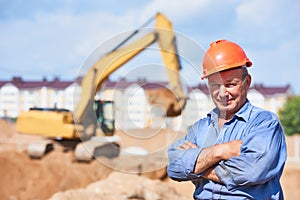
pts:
[270, 32]
[256, 12]
[51, 41]
[278, 66]
[56, 40]
[267, 22]
[177, 10]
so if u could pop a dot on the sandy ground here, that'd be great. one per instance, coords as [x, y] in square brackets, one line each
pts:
[25, 178]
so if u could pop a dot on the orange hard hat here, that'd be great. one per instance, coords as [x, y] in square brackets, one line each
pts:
[223, 55]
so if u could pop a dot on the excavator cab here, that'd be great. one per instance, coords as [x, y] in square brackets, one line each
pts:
[105, 116]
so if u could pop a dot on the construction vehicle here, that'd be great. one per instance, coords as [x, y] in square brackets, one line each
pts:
[81, 125]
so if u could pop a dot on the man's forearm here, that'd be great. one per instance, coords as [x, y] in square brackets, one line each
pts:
[210, 174]
[212, 155]
[207, 158]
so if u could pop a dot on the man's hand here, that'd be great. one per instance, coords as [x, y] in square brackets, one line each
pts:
[223, 151]
[187, 145]
[210, 174]
[212, 155]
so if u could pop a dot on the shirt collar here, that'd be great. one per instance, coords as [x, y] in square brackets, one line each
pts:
[243, 113]
[213, 116]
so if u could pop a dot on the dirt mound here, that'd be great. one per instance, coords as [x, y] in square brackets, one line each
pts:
[290, 180]
[23, 178]
[123, 186]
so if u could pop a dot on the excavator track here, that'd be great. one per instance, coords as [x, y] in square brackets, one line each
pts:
[97, 147]
[39, 149]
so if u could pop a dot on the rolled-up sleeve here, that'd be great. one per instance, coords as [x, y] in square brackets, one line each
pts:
[263, 155]
[182, 162]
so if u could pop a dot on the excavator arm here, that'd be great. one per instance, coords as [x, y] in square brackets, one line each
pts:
[82, 123]
[105, 66]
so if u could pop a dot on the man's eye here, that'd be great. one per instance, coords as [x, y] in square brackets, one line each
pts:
[214, 86]
[230, 85]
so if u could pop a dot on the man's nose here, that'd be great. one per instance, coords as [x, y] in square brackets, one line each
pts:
[222, 91]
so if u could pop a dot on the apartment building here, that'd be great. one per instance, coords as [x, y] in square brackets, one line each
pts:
[132, 109]
[17, 95]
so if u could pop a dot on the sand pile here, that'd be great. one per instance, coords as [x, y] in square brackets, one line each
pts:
[25, 178]
[59, 176]
[120, 186]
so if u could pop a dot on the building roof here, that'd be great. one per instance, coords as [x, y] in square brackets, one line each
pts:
[57, 84]
[202, 87]
[122, 84]
[21, 84]
[264, 90]
[270, 91]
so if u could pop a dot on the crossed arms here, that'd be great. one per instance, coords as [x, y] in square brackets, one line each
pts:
[259, 158]
[211, 156]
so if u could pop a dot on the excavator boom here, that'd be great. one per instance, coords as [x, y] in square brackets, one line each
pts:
[100, 71]
[82, 123]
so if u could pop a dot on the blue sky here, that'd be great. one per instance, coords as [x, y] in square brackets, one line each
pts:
[54, 37]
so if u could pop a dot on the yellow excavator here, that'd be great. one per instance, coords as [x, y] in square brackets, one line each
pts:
[82, 125]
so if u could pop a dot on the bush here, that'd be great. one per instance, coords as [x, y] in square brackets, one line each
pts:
[290, 115]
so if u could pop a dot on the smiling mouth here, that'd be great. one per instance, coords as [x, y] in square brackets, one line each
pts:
[224, 102]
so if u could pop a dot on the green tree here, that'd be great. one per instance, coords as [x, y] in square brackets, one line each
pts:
[290, 115]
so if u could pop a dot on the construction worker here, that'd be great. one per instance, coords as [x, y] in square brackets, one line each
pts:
[237, 151]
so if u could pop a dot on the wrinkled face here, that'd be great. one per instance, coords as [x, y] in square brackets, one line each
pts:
[229, 90]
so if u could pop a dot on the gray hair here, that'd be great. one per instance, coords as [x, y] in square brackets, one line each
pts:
[244, 71]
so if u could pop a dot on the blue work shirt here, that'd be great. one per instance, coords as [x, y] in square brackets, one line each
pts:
[254, 174]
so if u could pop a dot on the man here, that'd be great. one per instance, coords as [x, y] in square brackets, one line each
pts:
[237, 151]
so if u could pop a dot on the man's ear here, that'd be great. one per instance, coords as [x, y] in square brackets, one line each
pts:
[248, 80]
